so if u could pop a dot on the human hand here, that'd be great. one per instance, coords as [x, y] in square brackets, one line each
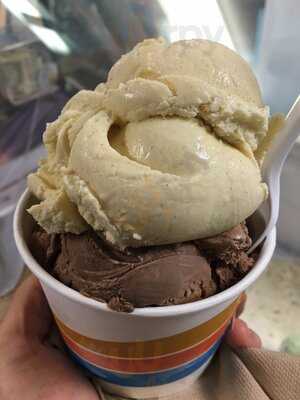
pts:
[30, 369]
[240, 335]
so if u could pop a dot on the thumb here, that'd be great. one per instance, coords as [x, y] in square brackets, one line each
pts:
[28, 315]
[241, 335]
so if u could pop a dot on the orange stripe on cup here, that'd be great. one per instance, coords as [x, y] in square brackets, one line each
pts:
[151, 348]
[123, 365]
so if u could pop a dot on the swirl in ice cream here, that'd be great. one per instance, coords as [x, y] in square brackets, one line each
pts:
[163, 152]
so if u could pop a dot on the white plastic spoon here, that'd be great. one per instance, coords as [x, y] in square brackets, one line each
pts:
[272, 166]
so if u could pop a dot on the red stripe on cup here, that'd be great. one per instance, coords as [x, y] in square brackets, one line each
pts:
[153, 364]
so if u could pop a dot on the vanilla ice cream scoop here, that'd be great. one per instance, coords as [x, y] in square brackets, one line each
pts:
[161, 153]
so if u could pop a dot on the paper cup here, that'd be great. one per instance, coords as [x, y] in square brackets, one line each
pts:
[150, 352]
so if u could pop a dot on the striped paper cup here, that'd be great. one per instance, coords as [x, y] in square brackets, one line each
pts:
[150, 352]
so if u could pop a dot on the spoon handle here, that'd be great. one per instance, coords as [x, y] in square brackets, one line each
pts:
[282, 143]
[272, 166]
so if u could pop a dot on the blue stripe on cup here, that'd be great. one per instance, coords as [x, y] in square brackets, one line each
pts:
[150, 379]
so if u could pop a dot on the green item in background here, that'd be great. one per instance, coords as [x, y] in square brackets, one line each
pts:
[291, 344]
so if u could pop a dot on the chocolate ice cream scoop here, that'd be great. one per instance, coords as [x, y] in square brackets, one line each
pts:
[147, 276]
[45, 248]
[227, 255]
[228, 245]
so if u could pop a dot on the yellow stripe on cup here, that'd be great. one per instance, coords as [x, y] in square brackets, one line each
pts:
[151, 348]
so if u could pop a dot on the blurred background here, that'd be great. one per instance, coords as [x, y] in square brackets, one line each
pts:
[50, 49]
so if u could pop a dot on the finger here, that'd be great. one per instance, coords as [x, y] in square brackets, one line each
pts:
[28, 314]
[241, 335]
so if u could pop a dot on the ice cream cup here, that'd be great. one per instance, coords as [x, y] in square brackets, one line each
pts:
[147, 353]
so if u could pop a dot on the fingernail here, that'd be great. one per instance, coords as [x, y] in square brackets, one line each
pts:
[255, 339]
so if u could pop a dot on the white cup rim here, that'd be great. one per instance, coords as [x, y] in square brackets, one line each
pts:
[165, 311]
